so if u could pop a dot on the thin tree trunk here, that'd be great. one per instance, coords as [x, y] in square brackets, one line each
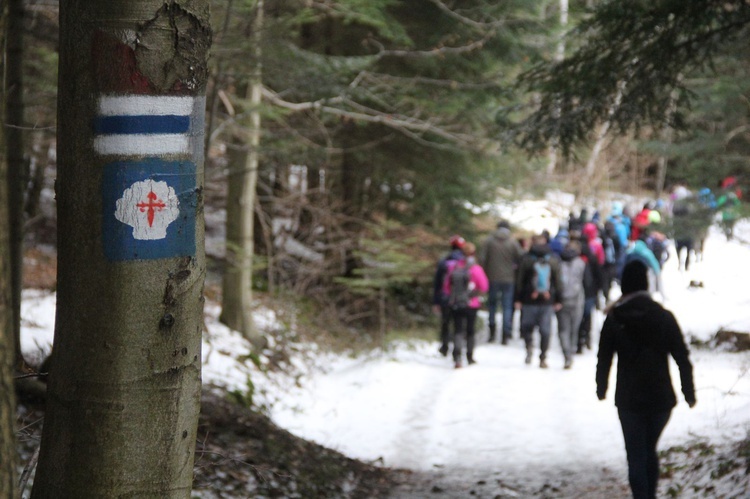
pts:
[124, 380]
[8, 459]
[601, 137]
[238, 278]
[213, 101]
[559, 56]
[16, 173]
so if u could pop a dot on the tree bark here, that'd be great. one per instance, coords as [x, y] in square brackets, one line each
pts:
[16, 173]
[124, 381]
[559, 56]
[237, 283]
[8, 459]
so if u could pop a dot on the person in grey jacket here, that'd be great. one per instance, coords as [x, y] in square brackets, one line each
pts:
[499, 256]
[572, 272]
[644, 335]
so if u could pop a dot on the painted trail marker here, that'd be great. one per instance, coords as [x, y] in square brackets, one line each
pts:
[152, 144]
[143, 125]
[148, 206]
[149, 209]
[149, 190]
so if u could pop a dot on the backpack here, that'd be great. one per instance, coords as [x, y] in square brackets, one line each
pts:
[610, 252]
[542, 276]
[682, 207]
[460, 292]
[572, 278]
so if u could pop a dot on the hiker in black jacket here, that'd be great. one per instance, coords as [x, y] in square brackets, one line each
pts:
[439, 298]
[644, 335]
[538, 295]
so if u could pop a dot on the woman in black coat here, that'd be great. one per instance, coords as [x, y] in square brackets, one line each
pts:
[644, 335]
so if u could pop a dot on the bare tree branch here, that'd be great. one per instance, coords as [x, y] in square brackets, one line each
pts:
[402, 124]
[466, 20]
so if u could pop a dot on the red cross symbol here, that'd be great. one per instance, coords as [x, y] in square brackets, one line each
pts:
[153, 204]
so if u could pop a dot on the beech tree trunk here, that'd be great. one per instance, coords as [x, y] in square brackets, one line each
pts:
[124, 383]
[237, 282]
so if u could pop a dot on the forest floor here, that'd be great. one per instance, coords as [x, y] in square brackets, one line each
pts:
[241, 453]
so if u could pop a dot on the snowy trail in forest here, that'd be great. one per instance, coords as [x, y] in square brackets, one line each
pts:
[500, 423]
[514, 428]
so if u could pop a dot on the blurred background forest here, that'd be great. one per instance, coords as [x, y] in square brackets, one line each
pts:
[357, 135]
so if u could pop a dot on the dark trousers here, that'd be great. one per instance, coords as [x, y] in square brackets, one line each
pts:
[687, 245]
[609, 273]
[503, 291]
[641, 431]
[464, 320]
[540, 316]
[584, 330]
[446, 320]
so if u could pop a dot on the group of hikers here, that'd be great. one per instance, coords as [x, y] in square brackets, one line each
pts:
[570, 274]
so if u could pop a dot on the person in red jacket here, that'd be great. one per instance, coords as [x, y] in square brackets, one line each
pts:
[640, 222]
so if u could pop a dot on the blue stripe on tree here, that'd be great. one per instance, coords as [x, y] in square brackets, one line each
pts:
[166, 124]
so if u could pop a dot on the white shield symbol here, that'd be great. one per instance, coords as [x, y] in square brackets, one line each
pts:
[149, 207]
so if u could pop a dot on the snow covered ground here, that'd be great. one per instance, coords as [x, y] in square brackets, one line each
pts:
[407, 407]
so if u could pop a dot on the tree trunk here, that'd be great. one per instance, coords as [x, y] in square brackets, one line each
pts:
[124, 381]
[559, 56]
[8, 459]
[238, 277]
[16, 173]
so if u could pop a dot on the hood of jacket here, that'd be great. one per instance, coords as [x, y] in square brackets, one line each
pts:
[590, 230]
[540, 250]
[501, 234]
[632, 309]
[569, 254]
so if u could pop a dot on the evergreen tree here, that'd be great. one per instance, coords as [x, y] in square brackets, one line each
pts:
[632, 69]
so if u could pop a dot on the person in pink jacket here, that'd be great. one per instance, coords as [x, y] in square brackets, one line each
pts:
[591, 234]
[464, 283]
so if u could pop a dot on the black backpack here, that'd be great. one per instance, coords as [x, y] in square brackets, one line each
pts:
[460, 294]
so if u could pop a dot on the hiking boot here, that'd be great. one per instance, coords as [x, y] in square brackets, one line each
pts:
[458, 365]
[580, 349]
[505, 340]
[543, 364]
[472, 361]
[528, 357]
[443, 350]
[568, 363]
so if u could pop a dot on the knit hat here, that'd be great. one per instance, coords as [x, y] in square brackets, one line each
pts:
[456, 241]
[634, 278]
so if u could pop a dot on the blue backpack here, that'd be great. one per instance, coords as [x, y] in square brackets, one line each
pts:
[542, 275]
[610, 253]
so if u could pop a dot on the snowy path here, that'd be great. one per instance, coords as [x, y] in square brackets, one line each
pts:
[509, 424]
[500, 420]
